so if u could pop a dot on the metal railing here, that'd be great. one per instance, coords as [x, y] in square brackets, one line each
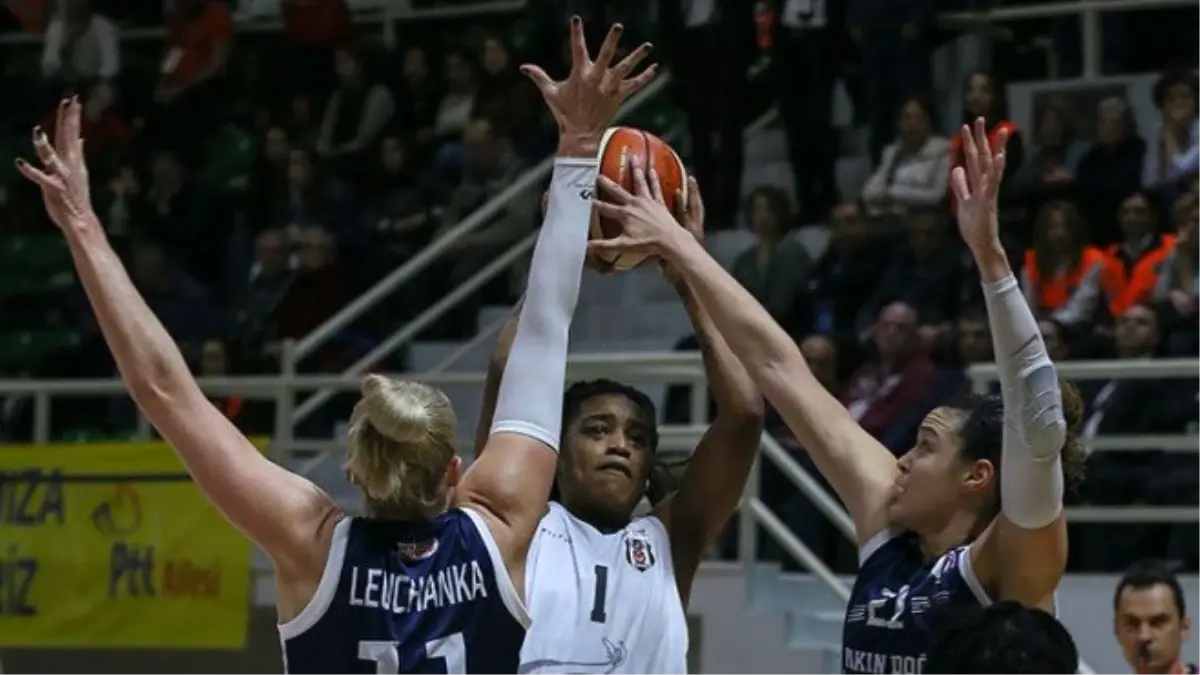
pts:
[1087, 10]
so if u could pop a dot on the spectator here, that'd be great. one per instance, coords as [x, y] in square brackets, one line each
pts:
[199, 39]
[804, 77]
[922, 276]
[509, 100]
[458, 101]
[915, 169]
[1055, 336]
[269, 176]
[417, 100]
[489, 166]
[1169, 279]
[312, 198]
[1051, 168]
[1064, 277]
[844, 277]
[398, 205]
[123, 205]
[184, 216]
[775, 270]
[184, 307]
[357, 113]
[268, 281]
[1137, 221]
[1172, 151]
[897, 45]
[319, 290]
[80, 46]
[881, 392]
[1111, 168]
[985, 96]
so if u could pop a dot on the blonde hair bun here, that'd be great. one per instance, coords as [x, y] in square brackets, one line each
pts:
[396, 409]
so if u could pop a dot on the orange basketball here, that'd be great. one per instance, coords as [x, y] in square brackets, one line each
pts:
[616, 147]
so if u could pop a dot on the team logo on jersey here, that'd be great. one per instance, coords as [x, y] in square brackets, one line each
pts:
[417, 550]
[638, 552]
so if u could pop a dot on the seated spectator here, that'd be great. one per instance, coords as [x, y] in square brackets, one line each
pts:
[269, 176]
[915, 169]
[1057, 151]
[1177, 286]
[506, 98]
[894, 380]
[458, 101]
[319, 290]
[1064, 277]
[398, 205]
[775, 270]
[1056, 338]
[185, 217]
[199, 39]
[985, 96]
[1111, 168]
[845, 275]
[122, 206]
[922, 275]
[1137, 221]
[185, 308]
[80, 46]
[1172, 150]
[312, 197]
[255, 303]
[489, 167]
[417, 99]
[357, 113]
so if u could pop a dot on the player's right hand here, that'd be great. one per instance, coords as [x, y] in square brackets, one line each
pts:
[585, 103]
[64, 176]
[646, 224]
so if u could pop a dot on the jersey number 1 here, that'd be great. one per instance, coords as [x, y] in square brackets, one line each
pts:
[600, 594]
[450, 650]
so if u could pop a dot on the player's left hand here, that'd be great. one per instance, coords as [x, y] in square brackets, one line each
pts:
[977, 187]
[64, 176]
[646, 225]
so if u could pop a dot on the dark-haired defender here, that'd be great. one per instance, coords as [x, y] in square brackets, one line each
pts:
[607, 591]
[1006, 637]
[973, 512]
[1150, 618]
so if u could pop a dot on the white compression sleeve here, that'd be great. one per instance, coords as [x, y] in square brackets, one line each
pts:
[531, 389]
[1031, 480]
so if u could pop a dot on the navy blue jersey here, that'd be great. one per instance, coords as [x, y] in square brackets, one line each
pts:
[899, 600]
[396, 597]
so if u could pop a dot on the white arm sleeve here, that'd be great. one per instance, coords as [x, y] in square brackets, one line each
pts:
[531, 389]
[1031, 481]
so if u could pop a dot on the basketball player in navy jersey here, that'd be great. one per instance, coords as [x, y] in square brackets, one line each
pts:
[607, 590]
[973, 513]
[432, 579]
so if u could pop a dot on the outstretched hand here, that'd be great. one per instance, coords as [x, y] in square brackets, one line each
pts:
[64, 176]
[977, 187]
[647, 226]
[585, 103]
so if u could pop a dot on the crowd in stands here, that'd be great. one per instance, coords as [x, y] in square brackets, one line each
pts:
[256, 183]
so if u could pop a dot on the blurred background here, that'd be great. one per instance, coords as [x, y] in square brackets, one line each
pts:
[307, 190]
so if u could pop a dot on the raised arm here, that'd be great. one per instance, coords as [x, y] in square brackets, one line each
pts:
[860, 469]
[510, 480]
[286, 515]
[1022, 555]
[717, 471]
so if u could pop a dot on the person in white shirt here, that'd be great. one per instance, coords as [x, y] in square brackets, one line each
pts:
[915, 169]
[80, 45]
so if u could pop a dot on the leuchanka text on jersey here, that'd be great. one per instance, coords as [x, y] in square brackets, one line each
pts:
[399, 594]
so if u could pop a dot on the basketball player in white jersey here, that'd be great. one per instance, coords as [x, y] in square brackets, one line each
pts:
[607, 591]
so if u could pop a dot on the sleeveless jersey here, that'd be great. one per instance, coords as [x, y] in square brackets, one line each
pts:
[422, 597]
[898, 601]
[602, 603]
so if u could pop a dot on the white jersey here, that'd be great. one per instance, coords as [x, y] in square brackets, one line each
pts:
[602, 603]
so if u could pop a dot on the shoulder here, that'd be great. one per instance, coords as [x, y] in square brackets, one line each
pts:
[938, 145]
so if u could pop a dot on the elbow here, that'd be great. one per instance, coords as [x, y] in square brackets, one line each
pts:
[1047, 439]
[157, 386]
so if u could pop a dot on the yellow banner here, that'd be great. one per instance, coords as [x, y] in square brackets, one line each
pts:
[112, 545]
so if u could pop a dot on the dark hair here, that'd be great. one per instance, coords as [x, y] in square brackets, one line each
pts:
[1171, 79]
[999, 109]
[1147, 574]
[580, 392]
[982, 430]
[777, 203]
[927, 107]
[1056, 105]
[1047, 263]
[1006, 637]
